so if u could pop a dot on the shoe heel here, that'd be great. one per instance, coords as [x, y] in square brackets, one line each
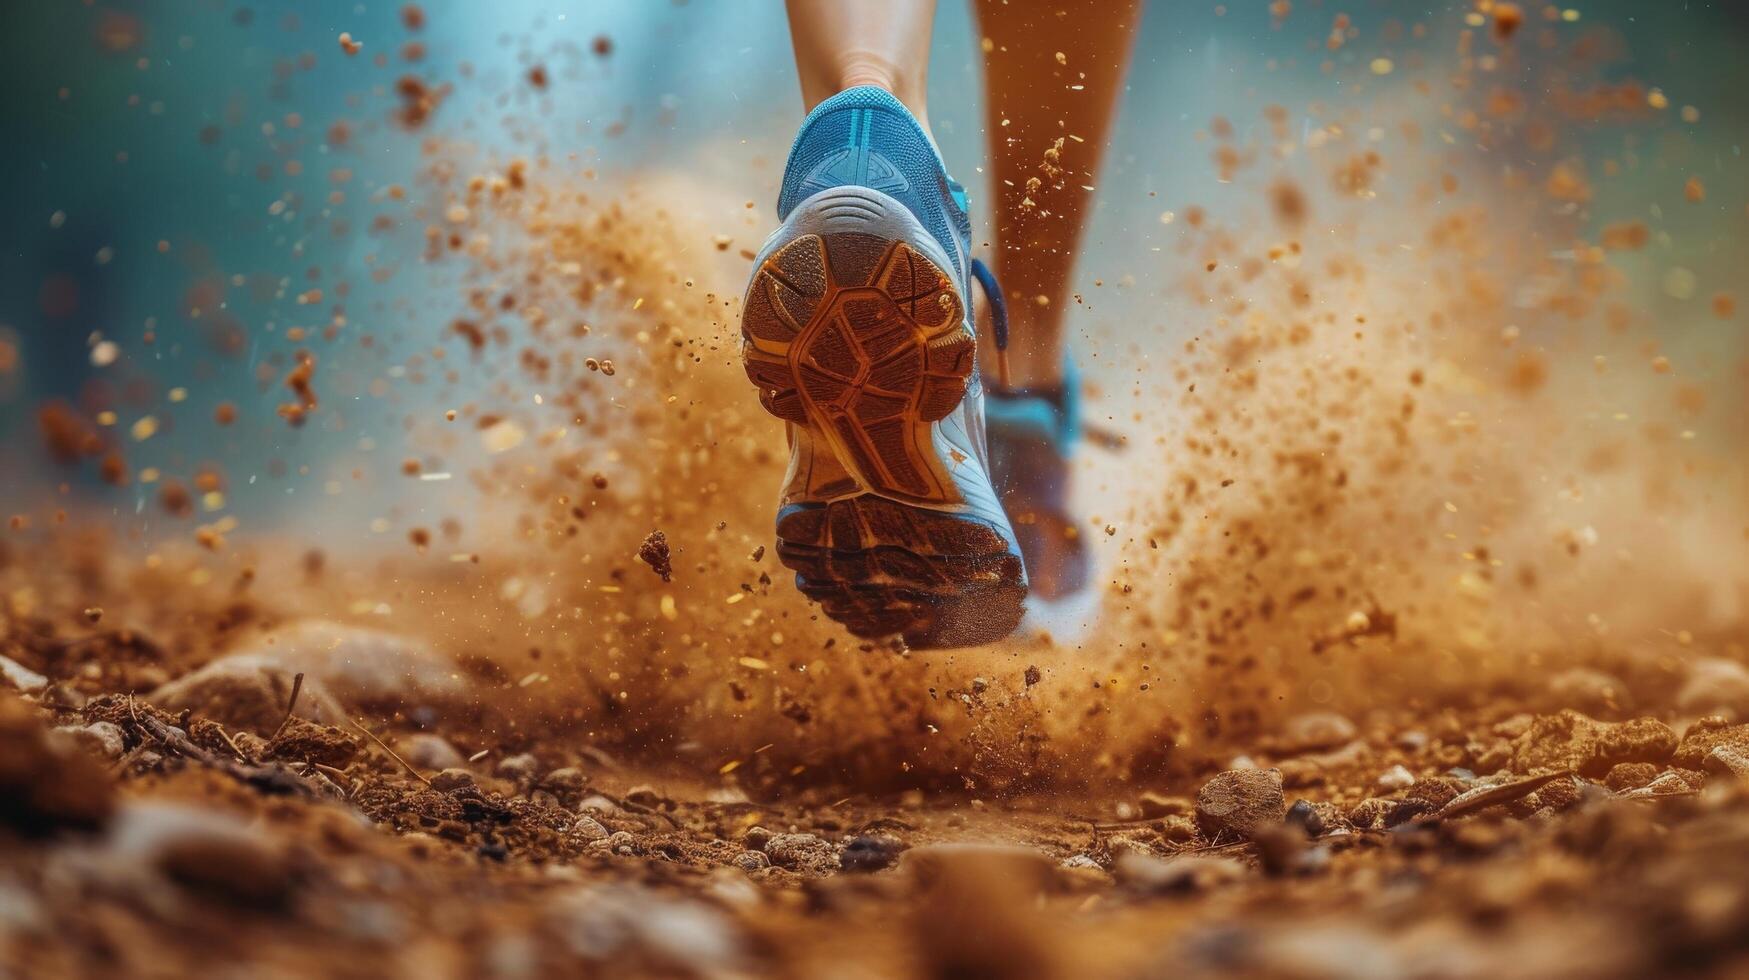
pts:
[850, 329]
[855, 333]
[881, 568]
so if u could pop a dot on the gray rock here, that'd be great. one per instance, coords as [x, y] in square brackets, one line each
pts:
[100, 738]
[752, 861]
[1413, 740]
[727, 796]
[1727, 760]
[588, 830]
[427, 751]
[1316, 730]
[1590, 691]
[622, 843]
[1346, 755]
[733, 890]
[597, 803]
[1324, 949]
[631, 924]
[341, 664]
[1306, 816]
[802, 852]
[202, 850]
[1715, 685]
[366, 666]
[250, 692]
[520, 768]
[19, 677]
[644, 796]
[1237, 801]
[569, 779]
[380, 923]
[1148, 875]
[870, 852]
[22, 911]
[1667, 784]
[450, 780]
[1396, 778]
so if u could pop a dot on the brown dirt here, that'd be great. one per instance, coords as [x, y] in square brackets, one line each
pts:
[1419, 528]
[1503, 851]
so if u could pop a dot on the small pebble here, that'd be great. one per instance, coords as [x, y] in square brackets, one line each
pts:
[752, 861]
[1396, 778]
[450, 780]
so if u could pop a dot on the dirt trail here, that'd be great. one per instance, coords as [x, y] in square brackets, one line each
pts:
[428, 830]
[1419, 646]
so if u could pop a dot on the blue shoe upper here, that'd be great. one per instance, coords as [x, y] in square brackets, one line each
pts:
[1032, 434]
[1052, 417]
[865, 137]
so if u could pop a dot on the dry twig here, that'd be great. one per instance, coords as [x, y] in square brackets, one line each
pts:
[384, 746]
[291, 704]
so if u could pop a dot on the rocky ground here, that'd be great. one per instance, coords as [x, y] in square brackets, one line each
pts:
[1409, 663]
[327, 800]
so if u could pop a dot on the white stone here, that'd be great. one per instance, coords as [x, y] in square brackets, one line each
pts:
[1396, 778]
[1713, 685]
[19, 676]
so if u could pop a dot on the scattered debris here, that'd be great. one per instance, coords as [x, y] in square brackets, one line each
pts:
[654, 553]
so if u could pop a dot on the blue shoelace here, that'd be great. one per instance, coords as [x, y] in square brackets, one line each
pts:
[998, 316]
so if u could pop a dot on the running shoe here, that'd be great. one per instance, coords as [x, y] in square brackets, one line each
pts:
[857, 329]
[1032, 433]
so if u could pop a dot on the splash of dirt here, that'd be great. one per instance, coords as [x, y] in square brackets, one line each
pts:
[1409, 433]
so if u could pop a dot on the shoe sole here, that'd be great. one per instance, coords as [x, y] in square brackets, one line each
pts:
[859, 340]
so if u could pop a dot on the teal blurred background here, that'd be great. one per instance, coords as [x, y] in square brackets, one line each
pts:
[130, 124]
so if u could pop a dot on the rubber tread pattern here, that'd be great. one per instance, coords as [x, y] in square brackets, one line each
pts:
[864, 342]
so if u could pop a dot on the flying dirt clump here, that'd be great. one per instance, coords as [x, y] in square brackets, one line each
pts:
[654, 553]
[299, 380]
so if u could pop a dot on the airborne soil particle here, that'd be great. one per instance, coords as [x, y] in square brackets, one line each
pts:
[654, 553]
